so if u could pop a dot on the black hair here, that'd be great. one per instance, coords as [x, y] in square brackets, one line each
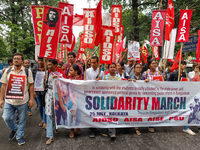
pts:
[183, 62]
[40, 57]
[10, 60]
[136, 65]
[60, 64]
[95, 57]
[54, 61]
[72, 53]
[150, 61]
[111, 64]
[76, 68]
[149, 57]
[169, 64]
[28, 60]
[121, 64]
[194, 65]
[57, 15]
[22, 56]
[77, 61]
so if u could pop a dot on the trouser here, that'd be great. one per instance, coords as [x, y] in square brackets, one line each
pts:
[8, 114]
[111, 131]
[41, 109]
[186, 127]
[50, 127]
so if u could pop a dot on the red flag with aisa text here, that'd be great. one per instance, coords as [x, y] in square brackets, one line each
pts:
[157, 27]
[176, 60]
[116, 18]
[50, 32]
[66, 22]
[70, 47]
[89, 22]
[37, 13]
[169, 20]
[108, 35]
[184, 25]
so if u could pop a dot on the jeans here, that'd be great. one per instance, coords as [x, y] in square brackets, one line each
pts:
[111, 131]
[186, 127]
[41, 109]
[8, 114]
[49, 126]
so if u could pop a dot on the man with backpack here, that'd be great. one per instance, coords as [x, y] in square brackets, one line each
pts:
[10, 105]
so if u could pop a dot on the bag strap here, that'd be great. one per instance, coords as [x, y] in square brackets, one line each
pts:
[147, 74]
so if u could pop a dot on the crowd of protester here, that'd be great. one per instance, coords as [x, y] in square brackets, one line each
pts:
[74, 70]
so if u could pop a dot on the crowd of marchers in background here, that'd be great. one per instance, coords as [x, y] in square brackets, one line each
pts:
[15, 111]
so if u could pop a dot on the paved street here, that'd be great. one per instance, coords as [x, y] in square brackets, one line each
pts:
[165, 138]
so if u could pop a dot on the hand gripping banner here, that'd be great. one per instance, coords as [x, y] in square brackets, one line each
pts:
[50, 32]
[111, 104]
[116, 18]
[184, 26]
[108, 35]
[89, 22]
[157, 26]
[37, 13]
[66, 23]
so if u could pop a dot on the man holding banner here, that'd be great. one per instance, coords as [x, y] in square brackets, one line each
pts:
[15, 82]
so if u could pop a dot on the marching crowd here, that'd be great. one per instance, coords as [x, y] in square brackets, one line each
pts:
[15, 111]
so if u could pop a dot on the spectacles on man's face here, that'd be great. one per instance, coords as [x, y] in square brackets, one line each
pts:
[17, 58]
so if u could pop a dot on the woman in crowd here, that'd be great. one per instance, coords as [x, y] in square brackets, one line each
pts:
[75, 74]
[194, 72]
[120, 69]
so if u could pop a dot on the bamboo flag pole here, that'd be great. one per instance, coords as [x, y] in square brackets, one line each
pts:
[99, 63]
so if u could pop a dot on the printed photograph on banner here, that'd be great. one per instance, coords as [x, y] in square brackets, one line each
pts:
[111, 104]
[67, 105]
[133, 50]
[16, 87]
[38, 84]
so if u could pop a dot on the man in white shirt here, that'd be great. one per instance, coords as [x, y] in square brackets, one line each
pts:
[93, 71]
[92, 74]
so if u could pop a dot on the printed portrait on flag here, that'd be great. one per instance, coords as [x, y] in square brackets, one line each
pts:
[52, 17]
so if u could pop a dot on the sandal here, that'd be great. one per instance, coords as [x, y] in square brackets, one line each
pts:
[56, 131]
[71, 135]
[30, 113]
[40, 124]
[49, 141]
[138, 132]
[44, 126]
[78, 131]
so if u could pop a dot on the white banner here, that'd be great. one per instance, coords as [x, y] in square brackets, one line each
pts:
[106, 20]
[133, 50]
[171, 44]
[38, 85]
[111, 104]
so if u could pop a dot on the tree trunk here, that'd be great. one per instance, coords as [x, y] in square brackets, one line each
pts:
[135, 33]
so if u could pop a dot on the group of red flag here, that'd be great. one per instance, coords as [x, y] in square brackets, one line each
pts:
[55, 25]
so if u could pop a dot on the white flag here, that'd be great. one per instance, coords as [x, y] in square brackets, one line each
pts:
[133, 50]
[106, 20]
[172, 45]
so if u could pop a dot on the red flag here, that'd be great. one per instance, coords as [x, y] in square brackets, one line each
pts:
[66, 22]
[118, 50]
[144, 53]
[89, 22]
[107, 44]
[78, 20]
[116, 18]
[198, 48]
[60, 55]
[69, 47]
[98, 23]
[50, 32]
[169, 20]
[155, 50]
[81, 49]
[37, 13]
[157, 26]
[175, 63]
[184, 25]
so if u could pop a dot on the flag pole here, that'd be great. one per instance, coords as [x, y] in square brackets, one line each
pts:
[99, 63]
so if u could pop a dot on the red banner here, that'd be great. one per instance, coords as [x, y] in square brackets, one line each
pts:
[66, 22]
[16, 87]
[50, 32]
[155, 50]
[157, 26]
[198, 48]
[116, 18]
[89, 22]
[81, 49]
[184, 25]
[120, 36]
[107, 42]
[37, 13]
[60, 55]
